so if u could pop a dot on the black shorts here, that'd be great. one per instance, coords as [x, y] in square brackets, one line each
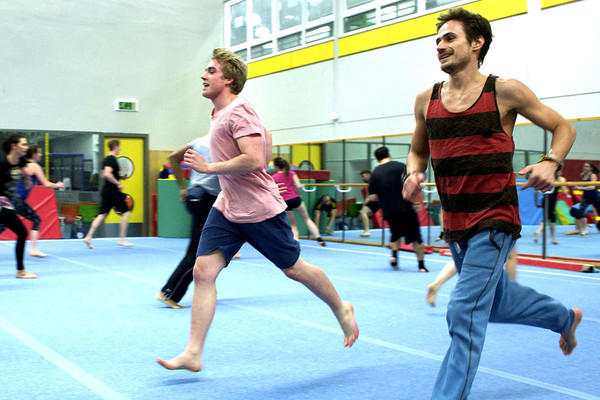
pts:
[112, 199]
[405, 225]
[374, 206]
[293, 203]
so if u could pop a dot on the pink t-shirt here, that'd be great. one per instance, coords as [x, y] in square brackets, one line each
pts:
[250, 197]
[279, 177]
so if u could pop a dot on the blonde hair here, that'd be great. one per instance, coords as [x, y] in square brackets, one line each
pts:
[233, 67]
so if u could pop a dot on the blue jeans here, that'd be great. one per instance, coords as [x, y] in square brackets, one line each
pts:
[484, 294]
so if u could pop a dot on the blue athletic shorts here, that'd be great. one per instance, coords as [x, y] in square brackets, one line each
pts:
[273, 238]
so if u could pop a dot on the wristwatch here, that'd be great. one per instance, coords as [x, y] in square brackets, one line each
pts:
[551, 158]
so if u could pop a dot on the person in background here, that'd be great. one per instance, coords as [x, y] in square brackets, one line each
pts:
[112, 196]
[552, 198]
[288, 179]
[325, 204]
[386, 186]
[368, 208]
[590, 197]
[34, 174]
[199, 197]
[11, 172]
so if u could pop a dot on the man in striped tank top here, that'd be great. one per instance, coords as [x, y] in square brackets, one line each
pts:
[465, 125]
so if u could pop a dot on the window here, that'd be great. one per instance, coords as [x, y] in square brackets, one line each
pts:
[261, 19]
[290, 13]
[261, 50]
[320, 32]
[237, 23]
[398, 9]
[359, 21]
[319, 9]
[437, 3]
[356, 3]
[287, 42]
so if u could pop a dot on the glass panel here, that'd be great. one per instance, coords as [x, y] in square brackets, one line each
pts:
[438, 3]
[319, 8]
[320, 32]
[399, 9]
[355, 3]
[287, 42]
[237, 25]
[261, 19]
[290, 13]
[359, 21]
[261, 50]
[243, 53]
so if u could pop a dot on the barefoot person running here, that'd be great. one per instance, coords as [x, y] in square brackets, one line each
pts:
[248, 209]
[465, 126]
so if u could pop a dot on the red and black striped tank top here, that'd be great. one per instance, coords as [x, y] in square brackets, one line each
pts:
[471, 157]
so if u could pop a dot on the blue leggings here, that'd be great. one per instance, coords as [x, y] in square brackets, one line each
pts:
[483, 293]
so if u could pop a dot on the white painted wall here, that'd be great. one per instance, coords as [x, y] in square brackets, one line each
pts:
[65, 62]
[555, 52]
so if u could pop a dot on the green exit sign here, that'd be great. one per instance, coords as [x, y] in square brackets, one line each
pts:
[126, 105]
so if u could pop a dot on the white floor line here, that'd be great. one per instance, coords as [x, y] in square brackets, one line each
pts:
[95, 385]
[424, 354]
[363, 338]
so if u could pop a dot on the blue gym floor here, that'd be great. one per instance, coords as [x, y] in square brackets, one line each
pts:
[90, 328]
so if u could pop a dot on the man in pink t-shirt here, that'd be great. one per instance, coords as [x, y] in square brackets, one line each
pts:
[249, 208]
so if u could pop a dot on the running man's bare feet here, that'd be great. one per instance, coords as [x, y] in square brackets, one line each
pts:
[585, 232]
[38, 254]
[22, 274]
[182, 362]
[348, 324]
[536, 235]
[432, 290]
[568, 341]
[573, 232]
[88, 242]
[365, 234]
[125, 243]
[171, 303]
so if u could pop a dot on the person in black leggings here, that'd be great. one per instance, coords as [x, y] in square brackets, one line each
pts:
[199, 198]
[11, 172]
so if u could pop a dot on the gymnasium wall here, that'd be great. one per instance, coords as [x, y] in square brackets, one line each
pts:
[552, 50]
[65, 63]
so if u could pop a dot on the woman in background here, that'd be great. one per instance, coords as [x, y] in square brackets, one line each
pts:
[284, 177]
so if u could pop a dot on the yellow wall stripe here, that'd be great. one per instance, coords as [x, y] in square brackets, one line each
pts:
[294, 59]
[387, 35]
[552, 3]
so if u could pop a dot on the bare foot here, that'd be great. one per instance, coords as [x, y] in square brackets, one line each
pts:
[365, 234]
[573, 232]
[125, 243]
[568, 341]
[432, 290]
[584, 233]
[22, 274]
[536, 235]
[554, 241]
[181, 362]
[38, 254]
[171, 303]
[88, 242]
[348, 324]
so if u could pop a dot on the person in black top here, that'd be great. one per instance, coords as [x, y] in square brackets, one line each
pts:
[386, 185]
[11, 172]
[112, 196]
